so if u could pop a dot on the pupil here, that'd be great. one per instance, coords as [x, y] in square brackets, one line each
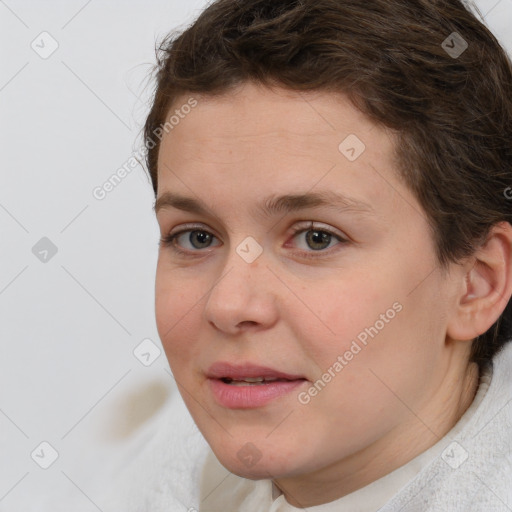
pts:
[318, 237]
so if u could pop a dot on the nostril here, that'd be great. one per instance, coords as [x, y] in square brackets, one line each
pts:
[247, 323]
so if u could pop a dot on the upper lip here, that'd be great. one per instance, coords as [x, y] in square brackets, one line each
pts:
[221, 370]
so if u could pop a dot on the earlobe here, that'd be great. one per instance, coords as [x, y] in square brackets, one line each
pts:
[487, 286]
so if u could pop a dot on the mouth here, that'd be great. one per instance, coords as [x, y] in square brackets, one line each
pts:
[249, 386]
[253, 381]
[248, 372]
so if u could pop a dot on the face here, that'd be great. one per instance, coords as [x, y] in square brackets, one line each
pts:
[298, 255]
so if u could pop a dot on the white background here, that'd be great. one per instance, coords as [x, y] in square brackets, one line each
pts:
[69, 326]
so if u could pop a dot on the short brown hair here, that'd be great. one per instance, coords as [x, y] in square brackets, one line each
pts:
[451, 111]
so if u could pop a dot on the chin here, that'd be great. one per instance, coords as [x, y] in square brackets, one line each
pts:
[249, 461]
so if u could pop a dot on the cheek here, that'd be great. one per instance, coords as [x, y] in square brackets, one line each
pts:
[384, 340]
[176, 309]
[346, 310]
[373, 321]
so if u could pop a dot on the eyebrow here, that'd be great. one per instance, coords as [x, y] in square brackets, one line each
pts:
[273, 206]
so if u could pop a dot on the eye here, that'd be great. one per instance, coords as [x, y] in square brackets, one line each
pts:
[316, 241]
[196, 238]
[317, 238]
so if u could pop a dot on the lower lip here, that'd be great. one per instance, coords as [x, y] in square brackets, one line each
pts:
[255, 395]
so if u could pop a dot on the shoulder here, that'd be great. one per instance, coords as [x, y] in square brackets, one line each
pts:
[474, 469]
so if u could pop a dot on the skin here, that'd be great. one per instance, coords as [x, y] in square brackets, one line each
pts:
[404, 390]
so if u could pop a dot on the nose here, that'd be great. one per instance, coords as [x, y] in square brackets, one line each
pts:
[243, 296]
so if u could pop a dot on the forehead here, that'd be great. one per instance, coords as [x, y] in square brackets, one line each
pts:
[279, 119]
[258, 140]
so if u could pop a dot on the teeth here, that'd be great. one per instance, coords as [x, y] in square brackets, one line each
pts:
[251, 380]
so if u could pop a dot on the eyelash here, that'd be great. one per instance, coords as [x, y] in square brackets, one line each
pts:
[169, 240]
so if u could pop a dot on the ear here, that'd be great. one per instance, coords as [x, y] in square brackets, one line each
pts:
[486, 286]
